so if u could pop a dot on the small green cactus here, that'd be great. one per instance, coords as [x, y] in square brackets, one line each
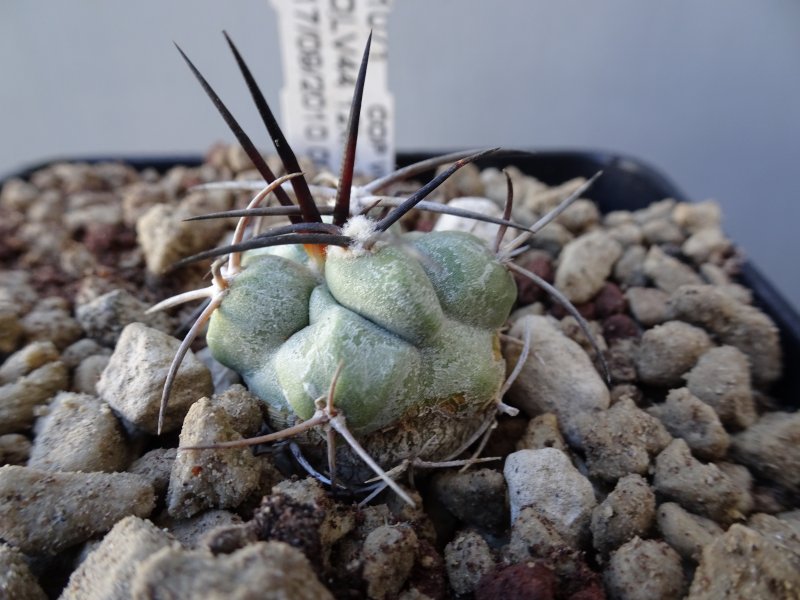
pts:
[390, 341]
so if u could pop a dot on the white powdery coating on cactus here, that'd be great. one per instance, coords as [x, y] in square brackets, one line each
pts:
[360, 228]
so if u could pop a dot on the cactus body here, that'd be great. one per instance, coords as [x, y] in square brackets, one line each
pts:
[415, 326]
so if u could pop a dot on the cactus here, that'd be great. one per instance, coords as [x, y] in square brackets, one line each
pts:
[391, 341]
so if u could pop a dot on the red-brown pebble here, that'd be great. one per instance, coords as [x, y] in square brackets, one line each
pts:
[524, 581]
[540, 264]
[618, 327]
[609, 301]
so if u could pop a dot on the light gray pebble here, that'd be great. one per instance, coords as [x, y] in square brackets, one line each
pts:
[742, 563]
[626, 234]
[533, 536]
[552, 239]
[618, 217]
[203, 479]
[476, 497]
[694, 216]
[558, 376]
[10, 329]
[139, 197]
[50, 320]
[44, 513]
[629, 269]
[687, 533]
[15, 449]
[388, 555]
[464, 182]
[16, 291]
[104, 318]
[686, 416]
[621, 440]
[542, 432]
[268, 570]
[547, 480]
[648, 305]
[17, 582]
[662, 231]
[657, 210]
[243, 408]
[584, 265]
[666, 272]
[27, 359]
[165, 237]
[770, 448]
[628, 511]
[109, 569]
[20, 400]
[708, 245]
[721, 379]
[17, 194]
[77, 352]
[701, 488]
[480, 229]
[644, 570]
[467, 558]
[580, 216]
[668, 351]
[735, 324]
[87, 374]
[155, 467]
[782, 531]
[133, 381]
[79, 433]
[190, 532]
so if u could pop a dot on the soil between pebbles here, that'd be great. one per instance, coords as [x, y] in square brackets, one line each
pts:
[682, 478]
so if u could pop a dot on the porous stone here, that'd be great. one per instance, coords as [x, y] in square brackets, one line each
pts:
[657, 210]
[44, 513]
[87, 374]
[203, 479]
[165, 237]
[485, 231]
[50, 320]
[477, 497]
[547, 480]
[694, 216]
[584, 265]
[734, 324]
[17, 582]
[10, 328]
[580, 216]
[15, 449]
[662, 231]
[668, 351]
[771, 448]
[626, 234]
[621, 440]
[721, 379]
[687, 417]
[628, 511]
[643, 570]
[190, 532]
[702, 488]
[242, 407]
[467, 559]
[80, 433]
[629, 269]
[109, 569]
[19, 400]
[77, 352]
[542, 432]
[687, 533]
[666, 272]
[783, 531]
[133, 381]
[388, 555]
[268, 570]
[648, 305]
[104, 318]
[707, 245]
[741, 563]
[27, 359]
[155, 467]
[558, 376]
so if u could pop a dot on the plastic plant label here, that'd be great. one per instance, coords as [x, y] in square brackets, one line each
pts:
[321, 45]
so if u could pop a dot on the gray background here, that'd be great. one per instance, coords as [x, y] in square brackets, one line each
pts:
[707, 91]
